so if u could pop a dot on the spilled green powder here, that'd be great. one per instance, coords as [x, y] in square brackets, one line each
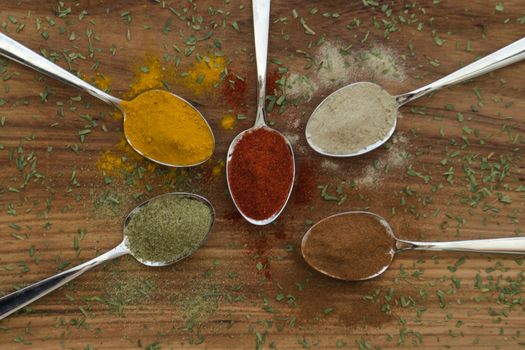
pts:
[199, 302]
[168, 228]
[123, 288]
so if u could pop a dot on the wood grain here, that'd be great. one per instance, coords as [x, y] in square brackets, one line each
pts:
[325, 311]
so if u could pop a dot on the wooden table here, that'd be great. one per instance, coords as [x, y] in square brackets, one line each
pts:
[453, 172]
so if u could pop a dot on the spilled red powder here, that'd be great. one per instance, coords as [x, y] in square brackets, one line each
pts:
[271, 82]
[234, 90]
[306, 181]
[280, 234]
[258, 247]
[261, 243]
[233, 215]
[266, 267]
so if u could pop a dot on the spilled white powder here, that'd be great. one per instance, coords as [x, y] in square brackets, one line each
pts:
[352, 119]
[395, 157]
[294, 122]
[293, 138]
[380, 63]
[330, 165]
[335, 69]
[300, 86]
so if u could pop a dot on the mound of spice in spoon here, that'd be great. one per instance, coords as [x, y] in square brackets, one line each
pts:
[348, 247]
[351, 119]
[166, 128]
[260, 173]
[168, 228]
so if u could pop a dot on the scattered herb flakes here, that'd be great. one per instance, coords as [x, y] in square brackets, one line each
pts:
[111, 202]
[124, 289]
[201, 303]
[477, 184]
[306, 28]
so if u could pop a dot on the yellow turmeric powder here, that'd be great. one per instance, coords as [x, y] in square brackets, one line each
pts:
[206, 74]
[218, 168]
[102, 81]
[148, 76]
[228, 122]
[165, 128]
[123, 160]
[112, 164]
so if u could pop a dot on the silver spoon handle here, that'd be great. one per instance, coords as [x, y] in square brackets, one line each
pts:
[21, 54]
[261, 28]
[510, 245]
[25, 296]
[503, 57]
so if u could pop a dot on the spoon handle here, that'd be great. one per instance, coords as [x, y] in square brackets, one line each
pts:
[503, 57]
[21, 54]
[261, 28]
[510, 245]
[25, 296]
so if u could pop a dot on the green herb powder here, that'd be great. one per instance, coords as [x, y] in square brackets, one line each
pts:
[168, 228]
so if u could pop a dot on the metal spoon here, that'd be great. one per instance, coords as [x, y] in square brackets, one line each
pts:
[12, 302]
[21, 54]
[510, 54]
[509, 245]
[261, 25]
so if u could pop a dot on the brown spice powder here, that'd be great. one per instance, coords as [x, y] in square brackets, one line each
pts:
[351, 246]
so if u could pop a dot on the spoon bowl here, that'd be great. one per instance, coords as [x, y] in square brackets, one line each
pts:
[137, 209]
[137, 149]
[12, 302]
[320, 128]
[386, 254]
[508, 245]
[17, 52]
[228, 161]
[312, 131]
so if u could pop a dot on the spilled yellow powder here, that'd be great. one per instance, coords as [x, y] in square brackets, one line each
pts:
[117, 115]
[218, 168]
[202, 78]
[122, 161]
[110, 163]
[206, 74]
[228, 122]
[102, 81]
[132, 156]
[148, 76]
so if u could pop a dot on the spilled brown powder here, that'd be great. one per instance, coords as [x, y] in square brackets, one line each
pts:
[351, 246]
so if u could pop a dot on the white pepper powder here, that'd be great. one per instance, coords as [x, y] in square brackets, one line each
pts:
[352, 119]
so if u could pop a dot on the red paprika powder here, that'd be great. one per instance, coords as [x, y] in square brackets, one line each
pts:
[234, 90]
[260, 173]
[271, 83]
[306, 180]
